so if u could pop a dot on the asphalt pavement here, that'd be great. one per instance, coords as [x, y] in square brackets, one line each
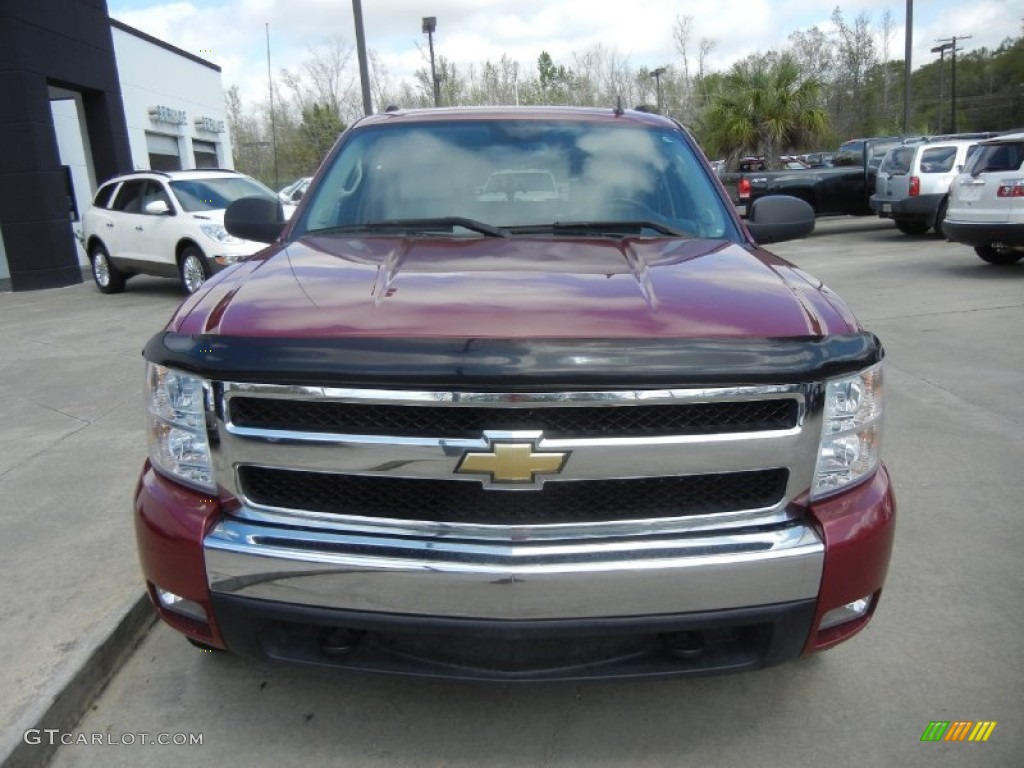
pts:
[944, 644]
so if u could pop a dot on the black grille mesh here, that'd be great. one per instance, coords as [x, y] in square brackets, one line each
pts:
[556, 422]
[454, 501]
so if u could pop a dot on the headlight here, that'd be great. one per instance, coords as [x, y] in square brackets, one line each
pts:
[851, 432]
[218, 233]
[176, 420]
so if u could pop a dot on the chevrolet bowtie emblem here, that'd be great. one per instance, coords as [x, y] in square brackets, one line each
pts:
[512, 463]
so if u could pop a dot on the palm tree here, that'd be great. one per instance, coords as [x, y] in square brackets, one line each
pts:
[760, 106]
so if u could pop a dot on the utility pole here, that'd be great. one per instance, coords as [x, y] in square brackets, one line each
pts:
[656, 74]
[941, 50]
[953, 49]
[908, 46]
[364, 75]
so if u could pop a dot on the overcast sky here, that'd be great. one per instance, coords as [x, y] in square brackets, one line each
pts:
[232, 33]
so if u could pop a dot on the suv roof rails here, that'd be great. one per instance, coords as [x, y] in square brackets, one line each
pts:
[952, 137]
[207, 170]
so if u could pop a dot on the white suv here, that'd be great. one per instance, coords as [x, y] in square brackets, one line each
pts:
[169, 224]
[986, 202]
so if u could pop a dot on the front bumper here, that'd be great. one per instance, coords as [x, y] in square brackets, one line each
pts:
[523, 610]
[972, 233]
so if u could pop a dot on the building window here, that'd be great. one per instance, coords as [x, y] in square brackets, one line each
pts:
[163, 152]
[206, 154]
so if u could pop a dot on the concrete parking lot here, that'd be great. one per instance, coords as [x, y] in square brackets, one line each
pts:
[944, 644]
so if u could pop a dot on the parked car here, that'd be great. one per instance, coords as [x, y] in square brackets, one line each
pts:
[912, 185]
[819, 159]
[986, 202]
[507, 437]
[166, 223]
[292, 194]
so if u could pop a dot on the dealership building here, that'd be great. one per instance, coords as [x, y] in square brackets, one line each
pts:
[86, 97]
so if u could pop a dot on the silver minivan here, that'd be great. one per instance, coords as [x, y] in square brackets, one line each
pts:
[912, 185]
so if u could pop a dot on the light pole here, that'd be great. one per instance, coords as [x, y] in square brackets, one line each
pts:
[364, 75]
[941, 50]
[656, 74]
[429, 26]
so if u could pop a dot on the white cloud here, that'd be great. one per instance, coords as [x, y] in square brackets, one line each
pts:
[232, 33]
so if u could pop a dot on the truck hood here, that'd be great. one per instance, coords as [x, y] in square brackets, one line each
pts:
[524, 287]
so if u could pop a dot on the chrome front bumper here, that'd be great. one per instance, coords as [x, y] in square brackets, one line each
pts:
[532, 580]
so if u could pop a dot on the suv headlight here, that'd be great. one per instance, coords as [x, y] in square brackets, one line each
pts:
[176, 421]
[851, 432]
[218, 233]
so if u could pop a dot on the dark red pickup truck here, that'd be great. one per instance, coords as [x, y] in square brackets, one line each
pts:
[436, 430]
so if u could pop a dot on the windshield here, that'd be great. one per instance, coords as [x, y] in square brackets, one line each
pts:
[530, 174]
[217, 193]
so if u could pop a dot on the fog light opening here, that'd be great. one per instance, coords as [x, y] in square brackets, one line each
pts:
[180, 605]
[339, 641]
[858, 609]
[684, 645]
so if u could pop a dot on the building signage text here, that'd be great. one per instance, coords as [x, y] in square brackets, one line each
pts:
[162, 114]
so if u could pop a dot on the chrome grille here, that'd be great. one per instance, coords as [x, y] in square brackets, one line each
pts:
[640, 463]
[572, 422]
[452, 501]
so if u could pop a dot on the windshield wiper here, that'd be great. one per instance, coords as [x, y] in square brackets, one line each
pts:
[417, 226]
[616, 228]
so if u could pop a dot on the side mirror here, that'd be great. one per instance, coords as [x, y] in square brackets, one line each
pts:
[255, 218]
[775, 218]
[157, 208]
[298, 194]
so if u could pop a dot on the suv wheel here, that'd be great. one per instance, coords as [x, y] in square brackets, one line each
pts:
[910, 227]
[193, 269]
[998, 254]
[108, 278]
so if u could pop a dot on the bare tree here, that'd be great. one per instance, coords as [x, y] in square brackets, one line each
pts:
[327, 76]
[886, 30]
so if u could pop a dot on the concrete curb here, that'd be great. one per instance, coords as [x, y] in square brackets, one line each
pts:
[76, 683]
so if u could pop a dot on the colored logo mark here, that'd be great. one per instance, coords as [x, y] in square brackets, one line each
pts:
[958, 730]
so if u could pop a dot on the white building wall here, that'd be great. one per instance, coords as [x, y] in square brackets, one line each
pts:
[152, 76]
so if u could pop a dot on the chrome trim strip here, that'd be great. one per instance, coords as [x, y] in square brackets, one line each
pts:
[514, 399]
[722, 521]
[577, 579]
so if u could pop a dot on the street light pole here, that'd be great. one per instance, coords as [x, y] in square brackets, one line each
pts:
[429, 26]
[364, 75]
[941, 50]
[656, 74]
[273, 122]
